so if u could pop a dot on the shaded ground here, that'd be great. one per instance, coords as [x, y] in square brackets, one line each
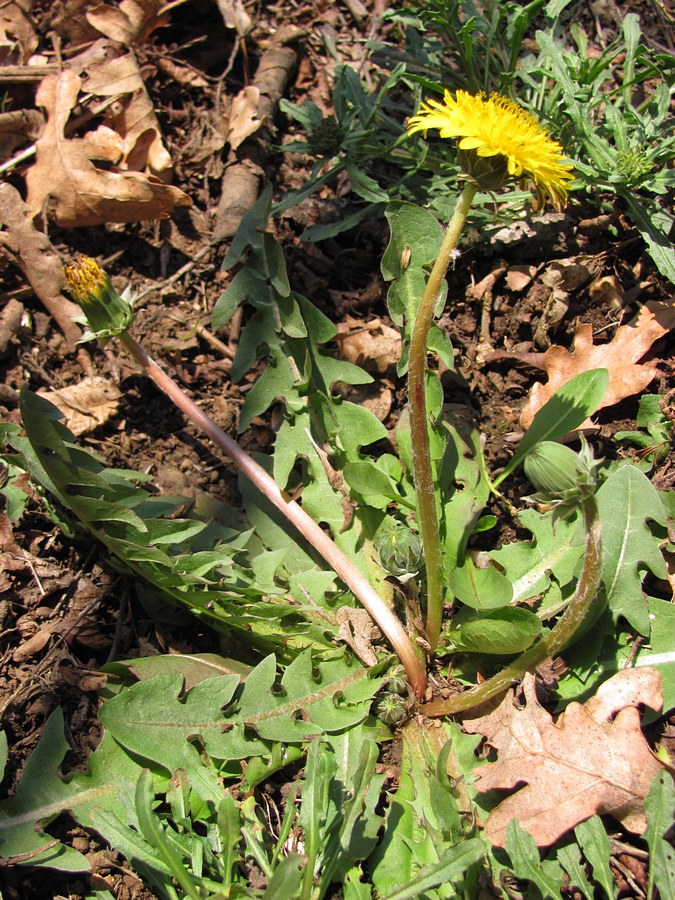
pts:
[63, 609]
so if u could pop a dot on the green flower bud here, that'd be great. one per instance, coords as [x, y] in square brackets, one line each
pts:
[562, 477]
[326, 138]
[391, 708]
[399, 550]
[552, 468]
[397, 683]
[633, 164]
[105, 311]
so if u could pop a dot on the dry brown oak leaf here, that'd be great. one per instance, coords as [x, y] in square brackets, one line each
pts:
[589, 761]
[86, 404]
[130, 21]
[627, 376]
[373, 345]
[76, 191]
[18, 40]
[32, 252]
[135, 121]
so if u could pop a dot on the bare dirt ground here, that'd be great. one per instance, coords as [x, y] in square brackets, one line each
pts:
[64, 610]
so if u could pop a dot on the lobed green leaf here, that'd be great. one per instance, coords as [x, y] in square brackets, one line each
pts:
[627, 502]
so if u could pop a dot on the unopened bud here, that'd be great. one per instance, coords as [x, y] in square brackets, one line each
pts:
[399, 550]
[633, 164]
[552, 468]
[397, 683]
[326, 138]
[391, 708]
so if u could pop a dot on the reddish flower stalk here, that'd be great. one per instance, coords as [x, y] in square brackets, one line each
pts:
[111, 315]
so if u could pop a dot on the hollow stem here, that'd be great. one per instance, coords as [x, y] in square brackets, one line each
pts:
[562, 634]
[390, 626]
[419, 424]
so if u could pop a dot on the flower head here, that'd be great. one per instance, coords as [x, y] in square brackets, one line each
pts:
[497, 127]
[398, 548]
[105, 311]
[562, 477]
[633, 164]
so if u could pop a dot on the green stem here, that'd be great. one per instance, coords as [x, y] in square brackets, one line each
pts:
[419, 425]
[562, 634]
[390, 626]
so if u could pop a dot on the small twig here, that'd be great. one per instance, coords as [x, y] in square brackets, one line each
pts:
[14, 74]
[635, 646]
[214, 342]
[154, 288]
[629, 849]
[630, 880]
[35, 575]
[357, 9]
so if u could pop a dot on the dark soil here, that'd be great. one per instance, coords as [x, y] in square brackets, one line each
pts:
[64, 610]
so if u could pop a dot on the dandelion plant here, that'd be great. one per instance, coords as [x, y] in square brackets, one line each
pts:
[498, 141]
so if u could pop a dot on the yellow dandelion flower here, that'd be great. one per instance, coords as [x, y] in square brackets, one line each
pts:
[497, 127]
[105, 311]
[85, 278]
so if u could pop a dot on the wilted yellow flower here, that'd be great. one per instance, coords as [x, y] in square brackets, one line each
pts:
[497, 127]
[105, 311]
[84, 278]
